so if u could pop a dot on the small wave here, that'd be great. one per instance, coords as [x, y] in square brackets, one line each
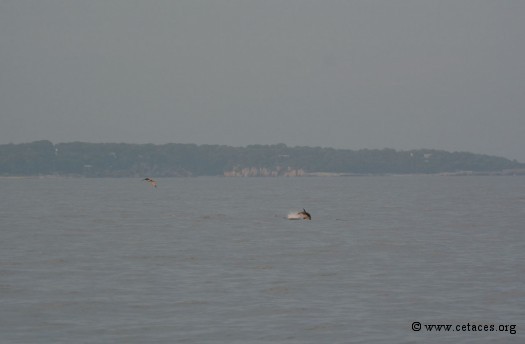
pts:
[213, 216]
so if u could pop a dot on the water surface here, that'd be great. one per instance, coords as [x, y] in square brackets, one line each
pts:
[214, 260]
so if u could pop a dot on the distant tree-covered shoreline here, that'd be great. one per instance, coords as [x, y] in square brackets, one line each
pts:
[174, 160]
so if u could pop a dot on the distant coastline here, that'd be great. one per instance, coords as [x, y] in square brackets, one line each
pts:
[80, 159]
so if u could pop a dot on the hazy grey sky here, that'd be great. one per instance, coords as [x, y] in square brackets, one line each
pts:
[346, 74]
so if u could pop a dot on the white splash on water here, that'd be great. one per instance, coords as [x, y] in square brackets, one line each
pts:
[294, 216]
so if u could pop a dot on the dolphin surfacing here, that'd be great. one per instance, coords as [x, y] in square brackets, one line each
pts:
[305, 215]
[301, 215]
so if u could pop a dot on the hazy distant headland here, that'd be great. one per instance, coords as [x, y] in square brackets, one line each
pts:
[82, 159]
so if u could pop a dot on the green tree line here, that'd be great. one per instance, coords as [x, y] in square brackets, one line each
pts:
[173, 159]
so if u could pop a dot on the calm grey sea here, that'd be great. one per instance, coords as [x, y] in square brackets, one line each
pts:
[214, 260]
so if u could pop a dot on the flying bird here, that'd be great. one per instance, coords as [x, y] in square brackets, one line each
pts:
[151, 181]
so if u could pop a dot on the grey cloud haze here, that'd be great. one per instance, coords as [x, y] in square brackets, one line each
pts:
[346, 74]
